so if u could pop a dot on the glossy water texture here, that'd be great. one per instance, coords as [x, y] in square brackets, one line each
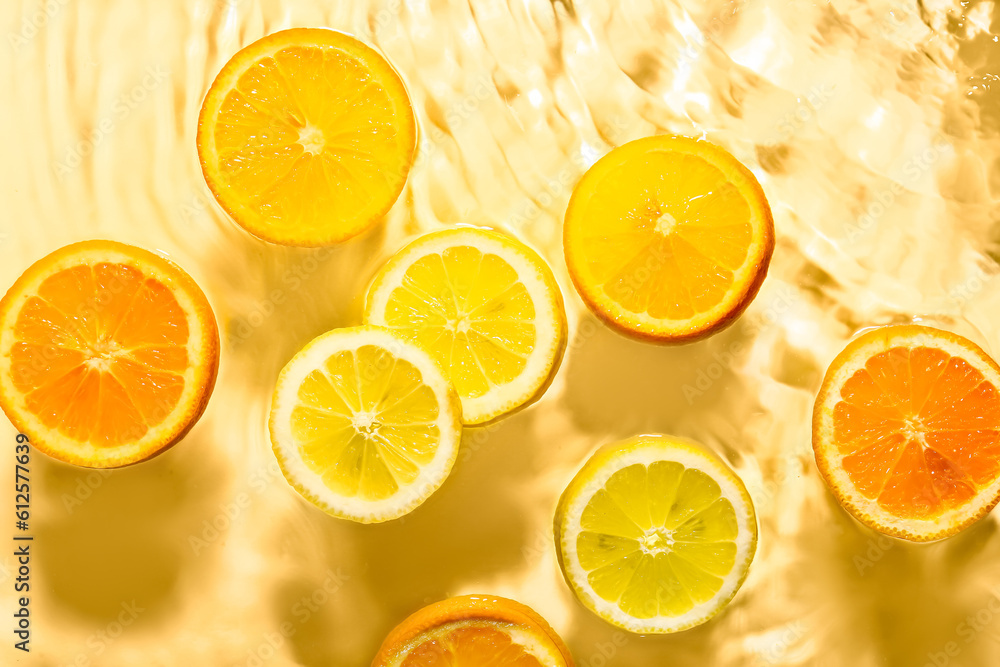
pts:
[873, 129]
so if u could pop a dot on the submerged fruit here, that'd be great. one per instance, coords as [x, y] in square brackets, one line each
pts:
[365, 425]
[108, 354]
[906, 431]
[473, 631]
[668, 238]
[306, 137]
[655, 535]
[485, 305]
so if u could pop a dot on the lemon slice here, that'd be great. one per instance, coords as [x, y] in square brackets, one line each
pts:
[655, 535]
[487, 308]
[365, 425]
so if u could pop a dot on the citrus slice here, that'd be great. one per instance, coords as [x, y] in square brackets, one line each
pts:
[306, 137]
[473, 631]
[108, 354]
[906, 431]
[655, 535]
[365, 425]
[668, 238]
[485, 305]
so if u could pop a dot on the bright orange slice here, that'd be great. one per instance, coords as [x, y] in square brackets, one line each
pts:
[306, 137]
[668, 238]
[474, 631]
[108, 354]
[906, 431]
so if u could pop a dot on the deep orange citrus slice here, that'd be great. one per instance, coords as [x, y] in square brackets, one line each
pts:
[906, 431]
[668, 239]
[473, 631]
[306, 137]
[108, 354]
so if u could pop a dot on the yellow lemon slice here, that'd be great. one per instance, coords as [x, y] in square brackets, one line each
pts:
[655, 535]
[365, 425]
[485, 305]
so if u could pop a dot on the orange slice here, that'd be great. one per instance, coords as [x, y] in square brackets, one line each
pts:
[473, 631]
[306, 137]
[108, 354]
[906, 431]
[668, 239]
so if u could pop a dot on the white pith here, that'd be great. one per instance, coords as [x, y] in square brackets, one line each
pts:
[311, 484]
[654, 450]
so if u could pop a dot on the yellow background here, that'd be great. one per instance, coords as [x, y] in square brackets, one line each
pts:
[873, 128]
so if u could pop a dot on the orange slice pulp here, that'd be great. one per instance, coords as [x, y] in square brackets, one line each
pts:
[668, 239]
[108, 354]
[306, 137]
[906, 431]
[471, 631]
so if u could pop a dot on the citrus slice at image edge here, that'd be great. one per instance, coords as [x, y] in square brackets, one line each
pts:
[668, 239]
[655, 535]
[108, 354]
[485, 305]
[906, 431]
[306, 137]
[364, 425]
[473, 630]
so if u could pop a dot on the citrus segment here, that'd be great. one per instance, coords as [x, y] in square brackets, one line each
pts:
[485, 306]
[108, 354]
[668, 238]
[472, 631]
[655, 535]
[306, 137]
[364, 425]
[907, 431]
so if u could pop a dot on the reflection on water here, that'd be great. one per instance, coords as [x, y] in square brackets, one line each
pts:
[874, 128]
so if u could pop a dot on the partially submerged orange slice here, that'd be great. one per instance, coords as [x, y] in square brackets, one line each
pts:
[108, 354]
[474, 631]
[668, 239]
[306, 137]
[906, 431]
